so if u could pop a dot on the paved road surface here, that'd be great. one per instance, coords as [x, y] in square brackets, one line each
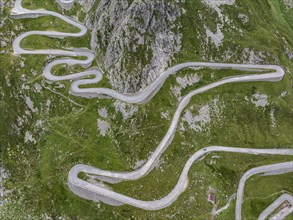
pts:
[99, 191]
[273, 169]
[279, 201]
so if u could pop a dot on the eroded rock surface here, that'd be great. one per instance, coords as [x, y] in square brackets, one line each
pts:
[135, 40]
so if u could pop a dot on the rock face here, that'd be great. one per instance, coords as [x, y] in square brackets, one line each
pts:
[86, 4]
[135, 40]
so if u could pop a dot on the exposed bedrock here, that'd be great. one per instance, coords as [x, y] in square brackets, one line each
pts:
[135, 40]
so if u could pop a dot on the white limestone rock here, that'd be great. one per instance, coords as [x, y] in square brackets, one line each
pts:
[260, 100]
[104, 127]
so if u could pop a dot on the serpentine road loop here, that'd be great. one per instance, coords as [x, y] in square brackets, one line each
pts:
[272, 169]
[271, 208]
[99, 191]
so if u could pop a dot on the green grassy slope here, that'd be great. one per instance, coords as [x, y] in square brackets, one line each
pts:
[66, 132]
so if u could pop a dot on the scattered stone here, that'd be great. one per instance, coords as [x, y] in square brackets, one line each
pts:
[103, 126]
[38, 87]
[206, 113]
[198, 121]
[48, 104]
[103, 112]
[25, 87]
[3, 44]
[244, 18]
[288, 3]
[30, 104]
[187, 80]
[216, 3]
[22, 64]
[216, 38]
[29, 137]
[289, 54]
[8, 84]
[165, 115]
[273, 119]
[260, 100]
[127, 110]
[48, 217]
[3, 175]
[284, 93]
[176, 90]
[4, 4]
[252, 57]
[183, 82]
[39, 123]
[34, 72]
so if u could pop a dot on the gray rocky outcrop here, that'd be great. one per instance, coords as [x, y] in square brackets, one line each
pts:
[134, 40]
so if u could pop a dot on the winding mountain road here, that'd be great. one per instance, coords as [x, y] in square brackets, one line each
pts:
[272, 169]
[279, 201]
[99, 191]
